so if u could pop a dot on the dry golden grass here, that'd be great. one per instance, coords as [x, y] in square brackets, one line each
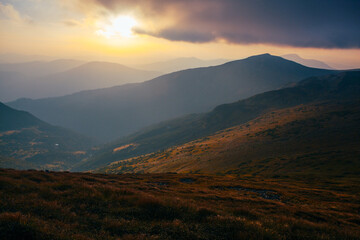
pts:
[316, 139]
[53, 205]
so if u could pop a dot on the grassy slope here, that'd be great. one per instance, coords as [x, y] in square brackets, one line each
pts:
[318, 138]
[40, 205]
[182, 130]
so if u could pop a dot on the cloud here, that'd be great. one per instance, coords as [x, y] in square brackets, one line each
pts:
[8, 12]
[300, 23]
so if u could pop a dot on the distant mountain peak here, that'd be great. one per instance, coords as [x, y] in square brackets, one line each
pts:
[262, 55]
[265, 56]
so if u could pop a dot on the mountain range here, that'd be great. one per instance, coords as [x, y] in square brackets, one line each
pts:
[61, 77]
[114, 112]
[341, 87]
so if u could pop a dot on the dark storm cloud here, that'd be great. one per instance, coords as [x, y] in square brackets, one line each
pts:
[302, 23]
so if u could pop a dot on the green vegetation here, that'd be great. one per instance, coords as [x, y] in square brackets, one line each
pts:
[50, 205]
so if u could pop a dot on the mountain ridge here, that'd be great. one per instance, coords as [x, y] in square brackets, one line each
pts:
[181, 130]
[127, 109]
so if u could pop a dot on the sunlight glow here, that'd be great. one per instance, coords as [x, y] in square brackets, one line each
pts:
[120, 26]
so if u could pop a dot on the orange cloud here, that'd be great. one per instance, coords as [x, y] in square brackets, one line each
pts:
[299, 23]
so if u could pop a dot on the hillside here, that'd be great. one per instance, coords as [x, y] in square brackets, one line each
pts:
[12, 119]
[27, 142]
[53, 205]
[318, 139]
[111, 113]
[32, 82]
[161, 136]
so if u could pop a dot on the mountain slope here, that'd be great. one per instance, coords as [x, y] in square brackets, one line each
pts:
[321, 139]
[307, 62]
[114, 112]
[161, 136]
[35, 143]
[178, 64]
[12, 119]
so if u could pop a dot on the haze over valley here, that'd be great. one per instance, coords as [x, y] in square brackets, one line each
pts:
[179, 119]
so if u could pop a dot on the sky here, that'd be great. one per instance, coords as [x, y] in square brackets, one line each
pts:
[144, 31]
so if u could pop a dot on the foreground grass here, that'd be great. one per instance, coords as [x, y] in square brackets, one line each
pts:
[42, 205]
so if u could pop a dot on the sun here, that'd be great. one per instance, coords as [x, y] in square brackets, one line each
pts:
[120, 26]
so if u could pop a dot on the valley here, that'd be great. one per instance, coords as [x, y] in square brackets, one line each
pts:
[179, 120]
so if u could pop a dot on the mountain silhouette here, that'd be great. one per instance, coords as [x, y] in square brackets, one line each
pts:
[110, 113]
[44, 79]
